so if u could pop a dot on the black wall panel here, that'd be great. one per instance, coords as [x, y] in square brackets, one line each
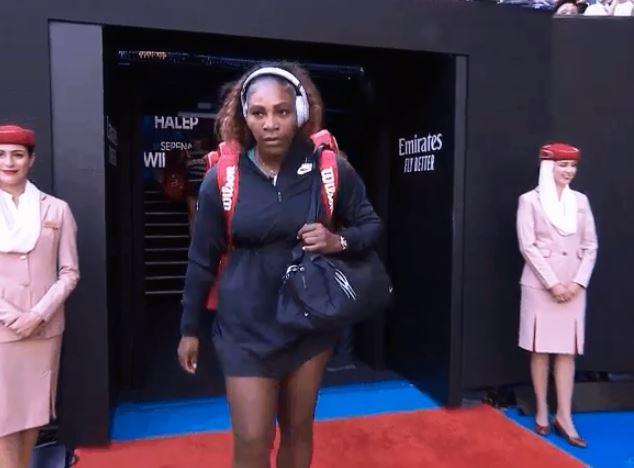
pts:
[420, 222]
[79, 178]
[592, 105]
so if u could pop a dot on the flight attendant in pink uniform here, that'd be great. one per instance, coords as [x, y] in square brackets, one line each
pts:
[557, 238]
[38, 270]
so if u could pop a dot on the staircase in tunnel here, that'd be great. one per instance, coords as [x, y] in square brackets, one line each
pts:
[166, 241]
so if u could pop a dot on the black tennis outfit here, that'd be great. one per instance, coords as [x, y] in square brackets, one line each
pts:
[248, 339]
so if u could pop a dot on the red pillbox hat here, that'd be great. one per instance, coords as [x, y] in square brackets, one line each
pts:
[16, 135]
[559, 152]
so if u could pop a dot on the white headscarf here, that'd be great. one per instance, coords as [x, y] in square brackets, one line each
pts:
[20, 225]
[561, 212]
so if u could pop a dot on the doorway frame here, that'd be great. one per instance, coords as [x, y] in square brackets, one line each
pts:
[79, 168]
[78, 129]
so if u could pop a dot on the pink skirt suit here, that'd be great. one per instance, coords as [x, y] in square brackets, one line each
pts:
[38, 281]
[552, 258]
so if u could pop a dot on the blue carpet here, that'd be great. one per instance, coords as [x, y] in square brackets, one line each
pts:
[610, 437]
[168, 418]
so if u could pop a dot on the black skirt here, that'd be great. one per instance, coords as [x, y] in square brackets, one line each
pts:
[239, 362]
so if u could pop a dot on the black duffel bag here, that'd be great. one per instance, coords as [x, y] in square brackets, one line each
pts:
[327, 292]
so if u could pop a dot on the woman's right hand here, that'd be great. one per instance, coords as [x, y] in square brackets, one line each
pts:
[8, 317]
[188, 353]
[560, 293]
[26, 324]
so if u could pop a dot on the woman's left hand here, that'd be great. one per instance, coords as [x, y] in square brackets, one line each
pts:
[574, 289]
[317, 238]
[26, 324]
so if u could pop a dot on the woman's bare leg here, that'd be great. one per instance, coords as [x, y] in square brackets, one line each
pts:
[565, 381]
[540, 365]
[253, 405]
[298, 396]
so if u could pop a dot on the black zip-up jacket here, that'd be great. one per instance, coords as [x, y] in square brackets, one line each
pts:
[266, 220]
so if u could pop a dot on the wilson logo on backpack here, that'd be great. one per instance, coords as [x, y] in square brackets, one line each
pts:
[330, 186]
[228, 188]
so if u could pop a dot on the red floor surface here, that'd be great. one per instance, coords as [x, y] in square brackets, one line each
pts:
[475, 437]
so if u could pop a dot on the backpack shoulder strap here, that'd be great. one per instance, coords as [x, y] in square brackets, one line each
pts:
[326, 139]
[328, 168]
[228, 180]
[329, 180]
[211, 159]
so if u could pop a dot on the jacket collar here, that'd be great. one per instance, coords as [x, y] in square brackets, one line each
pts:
[299, 151]
[45, 204]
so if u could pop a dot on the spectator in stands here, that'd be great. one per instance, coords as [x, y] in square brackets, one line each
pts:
[566, 8]
[622, 8]
[543, 4]
[600, 8]
[570, 7]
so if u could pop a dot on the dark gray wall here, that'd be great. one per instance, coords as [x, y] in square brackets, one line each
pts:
[507, 117]
[592, 107]
[508, 52]
[79, 178]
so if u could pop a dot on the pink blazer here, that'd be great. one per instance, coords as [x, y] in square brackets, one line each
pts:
[550, 257]
[41, 280]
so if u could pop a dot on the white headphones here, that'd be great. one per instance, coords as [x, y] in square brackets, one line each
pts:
[302, 107]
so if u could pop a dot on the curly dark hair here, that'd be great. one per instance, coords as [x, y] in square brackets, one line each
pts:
[231, 124]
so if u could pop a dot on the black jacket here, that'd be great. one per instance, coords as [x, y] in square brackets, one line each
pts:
[266, 220]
